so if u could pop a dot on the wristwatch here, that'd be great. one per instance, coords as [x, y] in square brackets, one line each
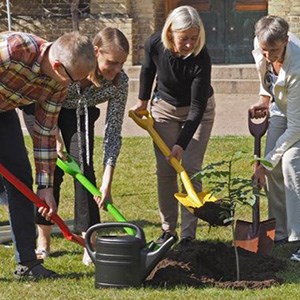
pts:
[41, 187]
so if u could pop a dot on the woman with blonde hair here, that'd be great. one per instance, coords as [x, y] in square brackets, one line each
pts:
[182, 106]
[76, 122]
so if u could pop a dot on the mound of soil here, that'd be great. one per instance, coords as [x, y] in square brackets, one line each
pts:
[201, 264]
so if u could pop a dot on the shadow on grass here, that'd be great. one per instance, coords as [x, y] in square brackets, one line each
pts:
[145, 223]
[65, 252]
[138, 193]
[4, 223]
[78, 275]
[292, 273]
[71, 275]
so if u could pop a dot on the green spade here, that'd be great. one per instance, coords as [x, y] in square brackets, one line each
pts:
[70, 167]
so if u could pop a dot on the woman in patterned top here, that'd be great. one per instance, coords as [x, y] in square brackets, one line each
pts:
[76, 123]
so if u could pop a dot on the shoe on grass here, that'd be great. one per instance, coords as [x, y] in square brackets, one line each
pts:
[86, 259]
[296, 256]
[33, 271]
[165, 236]
[42, 254]
[186, 241]
[281, 242]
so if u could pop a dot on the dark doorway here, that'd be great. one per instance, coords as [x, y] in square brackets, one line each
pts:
[229, 26]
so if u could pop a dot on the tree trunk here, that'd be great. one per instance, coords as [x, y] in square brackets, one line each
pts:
[75, 14]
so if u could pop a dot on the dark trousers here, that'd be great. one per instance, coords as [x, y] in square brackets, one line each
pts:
[13, 155]
[86, 211]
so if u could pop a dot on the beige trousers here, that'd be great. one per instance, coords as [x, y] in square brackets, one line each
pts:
[168, 123]
[283, 188]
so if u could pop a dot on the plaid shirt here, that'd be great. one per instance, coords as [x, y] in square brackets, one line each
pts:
[22, 83]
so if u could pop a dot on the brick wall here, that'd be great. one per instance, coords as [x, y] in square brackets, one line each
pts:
[50, 18]
[110, 7]
[17, 8]
[137, 19]
[148, 17]
[159, 13]
[289, 10]
[91, 26]
[46, 8]
[142, 13]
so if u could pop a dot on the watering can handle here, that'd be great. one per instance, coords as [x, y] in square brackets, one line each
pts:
[139, 234]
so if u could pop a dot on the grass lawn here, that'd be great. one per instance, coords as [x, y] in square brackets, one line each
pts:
[134, 193]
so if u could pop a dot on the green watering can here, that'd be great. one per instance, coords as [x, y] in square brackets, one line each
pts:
[70, 167]
[122, 261]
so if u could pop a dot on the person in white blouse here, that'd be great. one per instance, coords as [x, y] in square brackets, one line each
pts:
[277, 57]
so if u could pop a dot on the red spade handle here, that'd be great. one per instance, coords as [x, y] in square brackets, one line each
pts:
[40, 203]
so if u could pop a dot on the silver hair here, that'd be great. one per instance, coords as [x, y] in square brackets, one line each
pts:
[271, 29]
[72, 48]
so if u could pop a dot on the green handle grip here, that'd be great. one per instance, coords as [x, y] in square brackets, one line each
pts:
[95, 192]
[71, 167]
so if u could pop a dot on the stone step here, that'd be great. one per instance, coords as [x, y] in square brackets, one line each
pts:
[245, 71]
[231, 116]
[235, 86]
[228, 79]
[132, 71]
[234, 93]
[221, 86]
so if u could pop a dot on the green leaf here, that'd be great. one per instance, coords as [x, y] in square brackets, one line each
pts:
[251, 201]
[266, 163]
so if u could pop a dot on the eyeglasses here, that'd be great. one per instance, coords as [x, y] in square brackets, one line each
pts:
[69, 75]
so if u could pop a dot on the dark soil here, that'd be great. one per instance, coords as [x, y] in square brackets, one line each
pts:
[201, 264]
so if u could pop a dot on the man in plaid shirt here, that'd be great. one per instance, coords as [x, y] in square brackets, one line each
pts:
[34, 70]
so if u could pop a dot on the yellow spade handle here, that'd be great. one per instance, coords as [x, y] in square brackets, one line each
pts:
[147, 124]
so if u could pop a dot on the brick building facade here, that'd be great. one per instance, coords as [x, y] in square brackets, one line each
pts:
[136, 18]
[289, 10]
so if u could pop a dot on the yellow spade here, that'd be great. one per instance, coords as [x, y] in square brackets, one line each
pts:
[192, 201]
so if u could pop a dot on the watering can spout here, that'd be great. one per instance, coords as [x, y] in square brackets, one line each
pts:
[153, 258]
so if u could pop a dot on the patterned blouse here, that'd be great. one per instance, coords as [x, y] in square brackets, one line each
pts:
[116, 96]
